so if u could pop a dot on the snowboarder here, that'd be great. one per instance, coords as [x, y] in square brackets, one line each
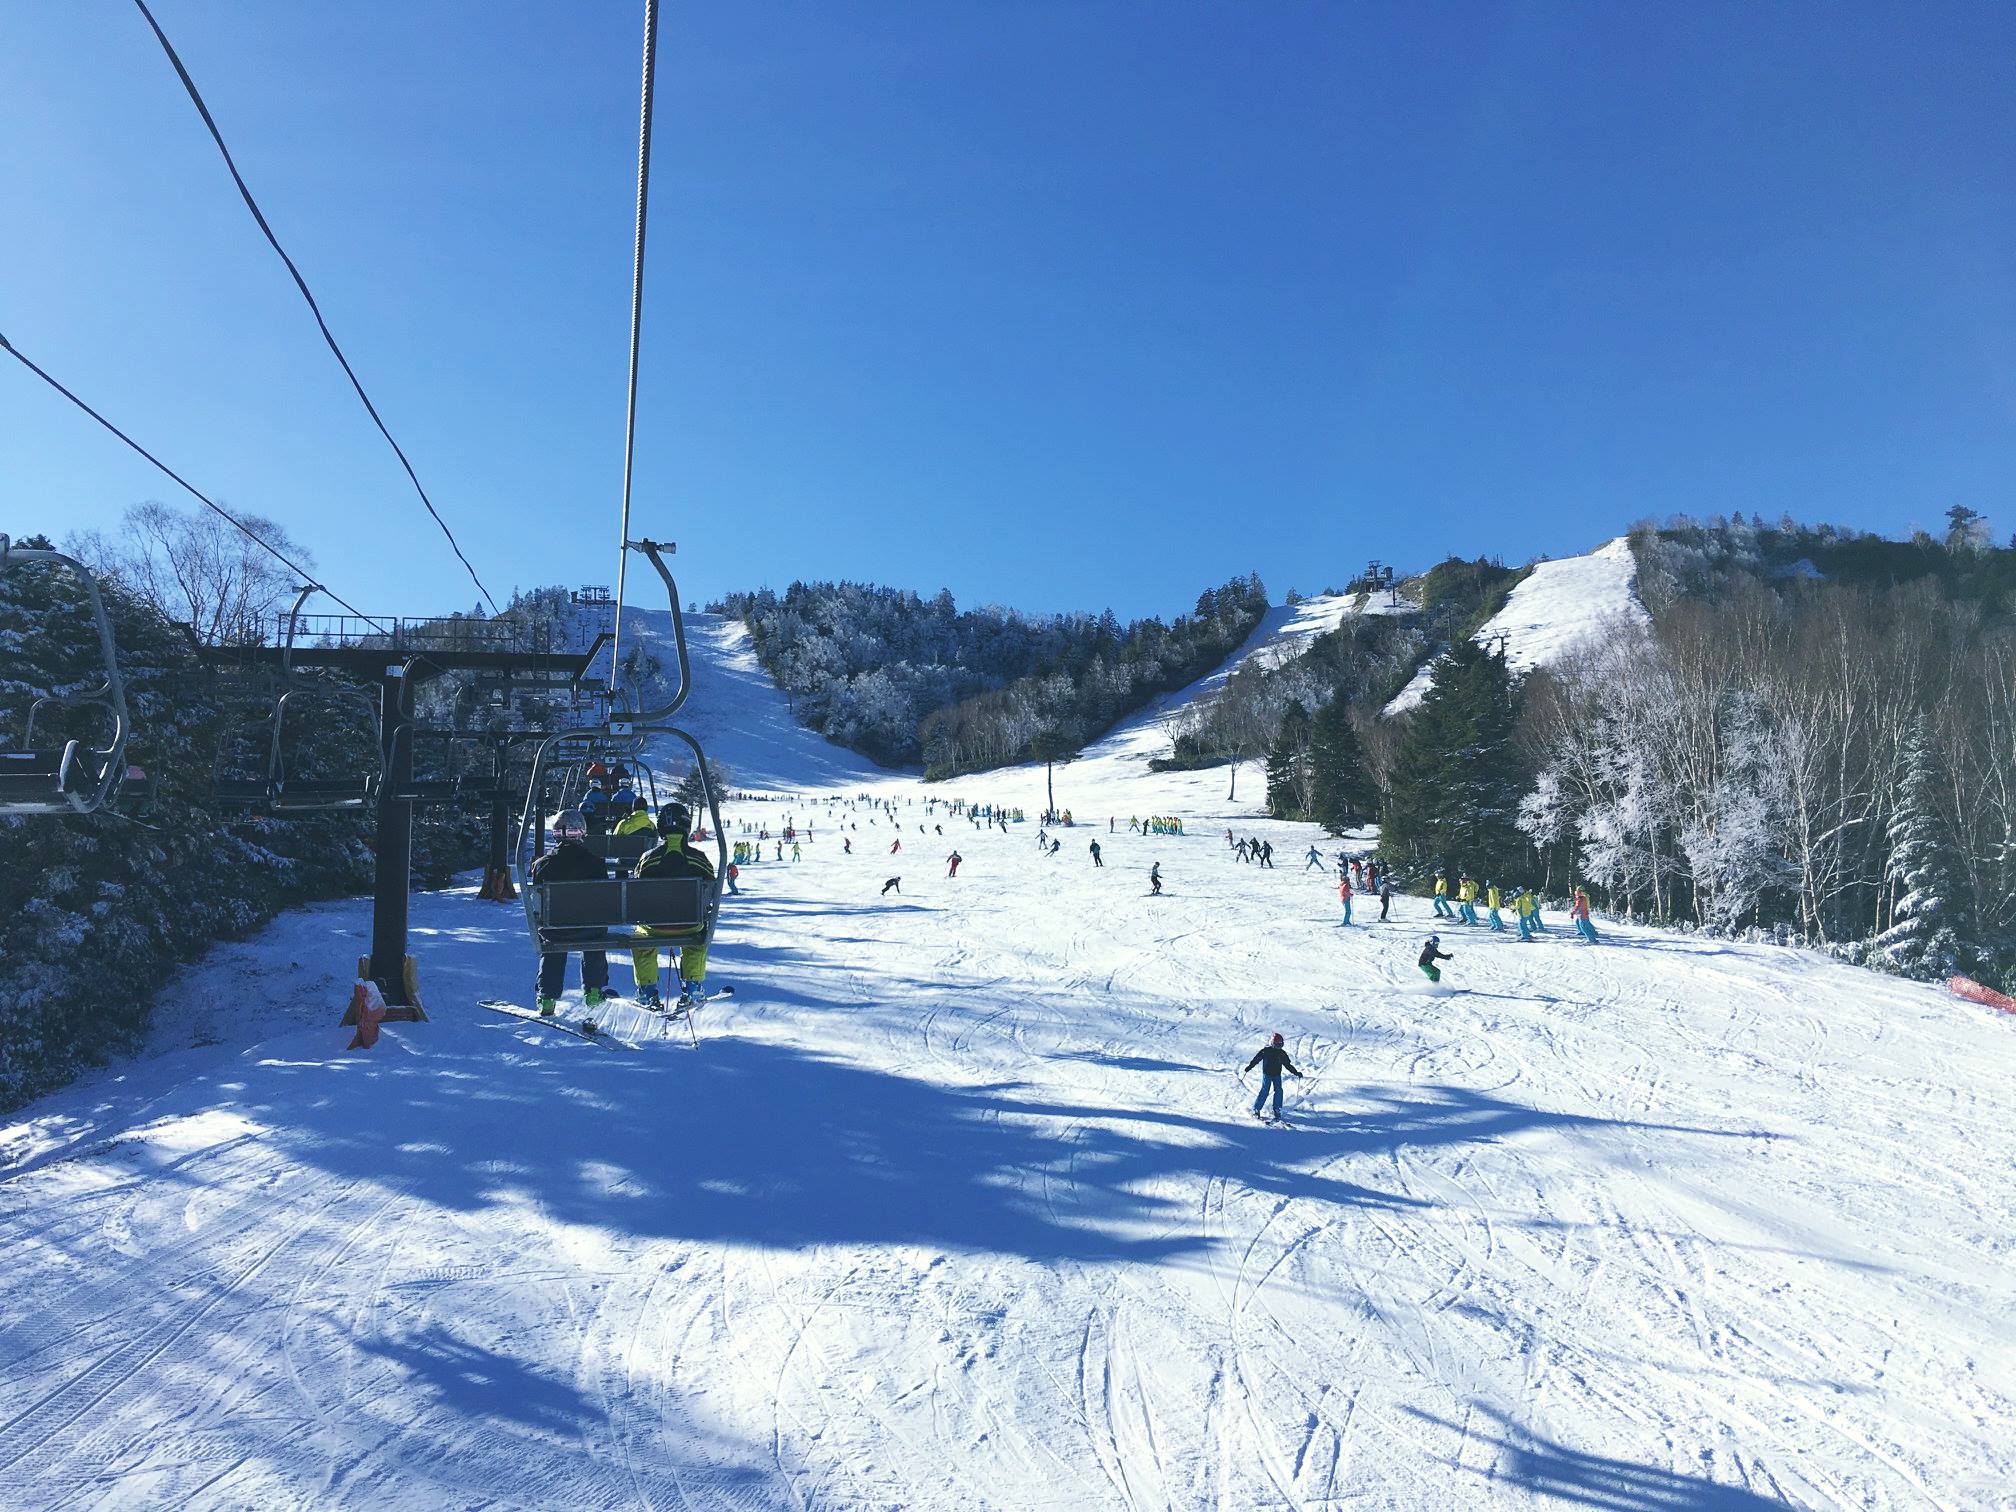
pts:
[1344, 892]
[1272, 1059]
[1579, 912]
[1155, 880]
[1095, 854]
[1430, 954]
[896, 883]
[672, 857]
[952, 864]
[1314, 858]
[570, 861]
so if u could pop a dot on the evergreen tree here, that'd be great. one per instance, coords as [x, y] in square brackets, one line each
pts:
[1922, 940]
[1342, 794]
[1454, 800]
[1289, 784]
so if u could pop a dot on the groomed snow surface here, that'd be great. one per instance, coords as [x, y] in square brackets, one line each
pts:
[1559, 607]
[958, 1205]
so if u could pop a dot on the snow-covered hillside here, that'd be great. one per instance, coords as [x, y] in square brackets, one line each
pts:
[738, 714]
[958, 1204]
[1560, 606]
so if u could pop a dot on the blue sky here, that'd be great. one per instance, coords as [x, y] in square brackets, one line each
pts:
[1056, 305]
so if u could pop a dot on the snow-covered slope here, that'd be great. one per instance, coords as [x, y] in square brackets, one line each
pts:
[738, 714]
[1283, 633]
[1560, 605]
[957, 1205]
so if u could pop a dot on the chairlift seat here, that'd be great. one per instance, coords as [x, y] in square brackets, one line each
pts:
[46, 779]
[614, 847]
[591, 915]
[301, 795]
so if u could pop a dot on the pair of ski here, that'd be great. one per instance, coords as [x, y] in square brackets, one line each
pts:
[594, 1033]
[1279, 1123]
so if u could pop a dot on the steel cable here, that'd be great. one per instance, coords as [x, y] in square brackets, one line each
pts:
[636, 324]
[204, 499]
[314, 309]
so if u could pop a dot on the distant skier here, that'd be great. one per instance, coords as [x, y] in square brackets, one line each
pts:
[570, 861]
[1430, 954]
[1272, 1059]
[796, 853]
[1239, 850]
[1155, 880]
[952, 864]
[895, 846]
[1267, 854]
[1344, 892]
[1491, 903]
[1442, 908]
[1385, 895]
[1314, 858]
[1056, 846]
[1095, 854]
[847, 845]
[1579, 912]
[734, 871]
[895, 883]
[1523, 909]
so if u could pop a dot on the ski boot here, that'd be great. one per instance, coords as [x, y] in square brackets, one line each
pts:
[594, 997]
[647, 998]
[548, 1007]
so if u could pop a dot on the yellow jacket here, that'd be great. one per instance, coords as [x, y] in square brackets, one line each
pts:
[1491, 896]
[1441, 887]
[1467, 892]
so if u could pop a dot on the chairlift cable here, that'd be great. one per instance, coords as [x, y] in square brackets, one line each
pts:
[208, 503]
[636, 323]
[314, 309]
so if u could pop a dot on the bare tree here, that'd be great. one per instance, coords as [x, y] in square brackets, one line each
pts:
[195, 569]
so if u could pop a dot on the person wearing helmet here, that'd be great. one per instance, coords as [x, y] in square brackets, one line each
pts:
[1430, 954]
[570, 861]
[597, 803]
[1272, 1059]
[672, 857]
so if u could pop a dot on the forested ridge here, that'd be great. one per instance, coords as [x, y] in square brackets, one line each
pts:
[1813, 740]
[902, 678]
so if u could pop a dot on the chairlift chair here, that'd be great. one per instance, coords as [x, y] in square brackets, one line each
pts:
[277, 790]
[610, 915]
[68, 775]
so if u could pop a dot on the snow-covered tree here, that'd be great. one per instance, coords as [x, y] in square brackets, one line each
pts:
[1922, 940]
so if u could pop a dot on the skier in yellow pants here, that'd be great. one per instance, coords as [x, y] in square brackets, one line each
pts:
[672, 857]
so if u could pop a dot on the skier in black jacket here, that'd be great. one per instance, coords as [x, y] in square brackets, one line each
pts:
[1430, 954]
[570, 861]
[1272, 1061]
